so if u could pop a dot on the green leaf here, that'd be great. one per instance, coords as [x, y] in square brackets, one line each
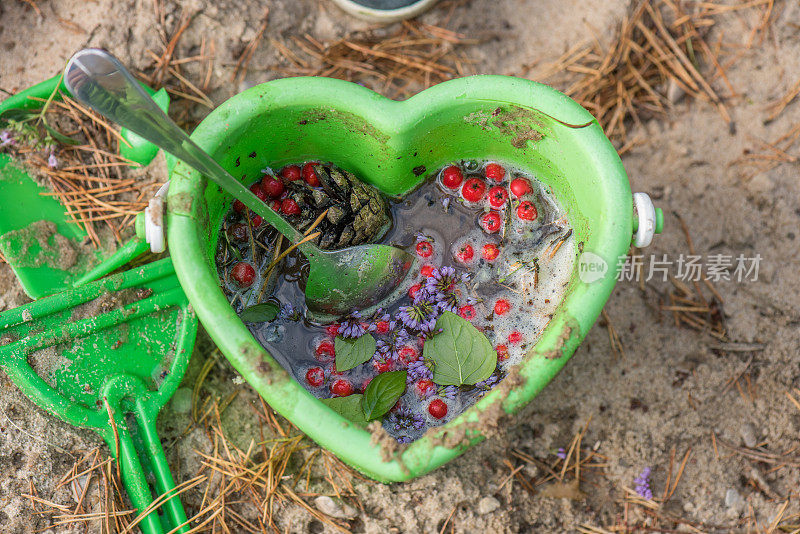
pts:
[16, 114]
[348, 407]
[382, 393]
[260, 313]
[353, 352]
[58, 136]
[460, 353]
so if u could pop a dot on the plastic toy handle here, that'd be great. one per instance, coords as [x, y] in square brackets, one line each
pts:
[123, 255]
[173, 517]
[165, 513]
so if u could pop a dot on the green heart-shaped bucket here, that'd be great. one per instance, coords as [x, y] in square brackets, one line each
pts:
[384, 142]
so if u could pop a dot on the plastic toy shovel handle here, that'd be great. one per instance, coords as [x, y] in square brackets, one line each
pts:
[100, 81]
[165, 513]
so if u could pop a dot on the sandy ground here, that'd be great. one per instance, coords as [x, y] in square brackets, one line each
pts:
[667, 392]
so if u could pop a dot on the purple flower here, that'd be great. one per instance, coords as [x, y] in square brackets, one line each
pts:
[351, 327]
[404, 419]
[5, 138]
[52, 162]
[440, 287]
[418, 370]
[448, 392]
[403, 439]
[489, 383]
[442, 280]
[643, 484]
[385, 350]
[448, 303]
[401, 336]
[378, 316]
[561, 453]
[286, 311]
[420, 315]
[446, 204]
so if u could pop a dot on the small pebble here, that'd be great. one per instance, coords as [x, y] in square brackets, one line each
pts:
[487, 505]
[748, 433]
[182, 400]
[674, 92]
[733, 499]
[330, 507]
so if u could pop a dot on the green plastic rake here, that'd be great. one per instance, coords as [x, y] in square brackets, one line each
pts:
[108, 356]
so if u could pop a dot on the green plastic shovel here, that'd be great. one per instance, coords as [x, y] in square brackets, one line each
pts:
[25, 208]
[118, 346]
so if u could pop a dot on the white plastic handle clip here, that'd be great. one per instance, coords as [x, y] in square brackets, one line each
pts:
[154, 221]
[644, 209]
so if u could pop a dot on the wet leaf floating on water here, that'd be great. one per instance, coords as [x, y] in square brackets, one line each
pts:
[460, 353]
[260, 313]
[353, 352]
[348, 407]
[382, 393]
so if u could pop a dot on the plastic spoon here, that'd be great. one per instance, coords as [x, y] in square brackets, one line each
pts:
[339, 282]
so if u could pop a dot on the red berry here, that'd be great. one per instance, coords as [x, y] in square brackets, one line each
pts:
[238, 232]
[408, 355]
[424, 249]
[315, 377]
[465, 253]
[258, 191]
[413, 290]
[425, 387]
[238, 206]
[382, 365]
[426, 271]
[255, 220]
[452, 177]
[243, 274]
[495, 172]
[310, 175]
[491, 222]
[502, 352]
[290, 207]
[467, 312]
[291, 172]
[473, 190]
[514, 337]
[341, 388]
[272, 186]
[325, 350]
[520, 187]
[498, 197]
[490, 252]
[527, 211]
[437, 408]
[276, 205]
[382, 327]
[332, 330]
[501, 307]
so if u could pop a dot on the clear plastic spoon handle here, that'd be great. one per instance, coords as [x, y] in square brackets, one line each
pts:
[100, 81]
